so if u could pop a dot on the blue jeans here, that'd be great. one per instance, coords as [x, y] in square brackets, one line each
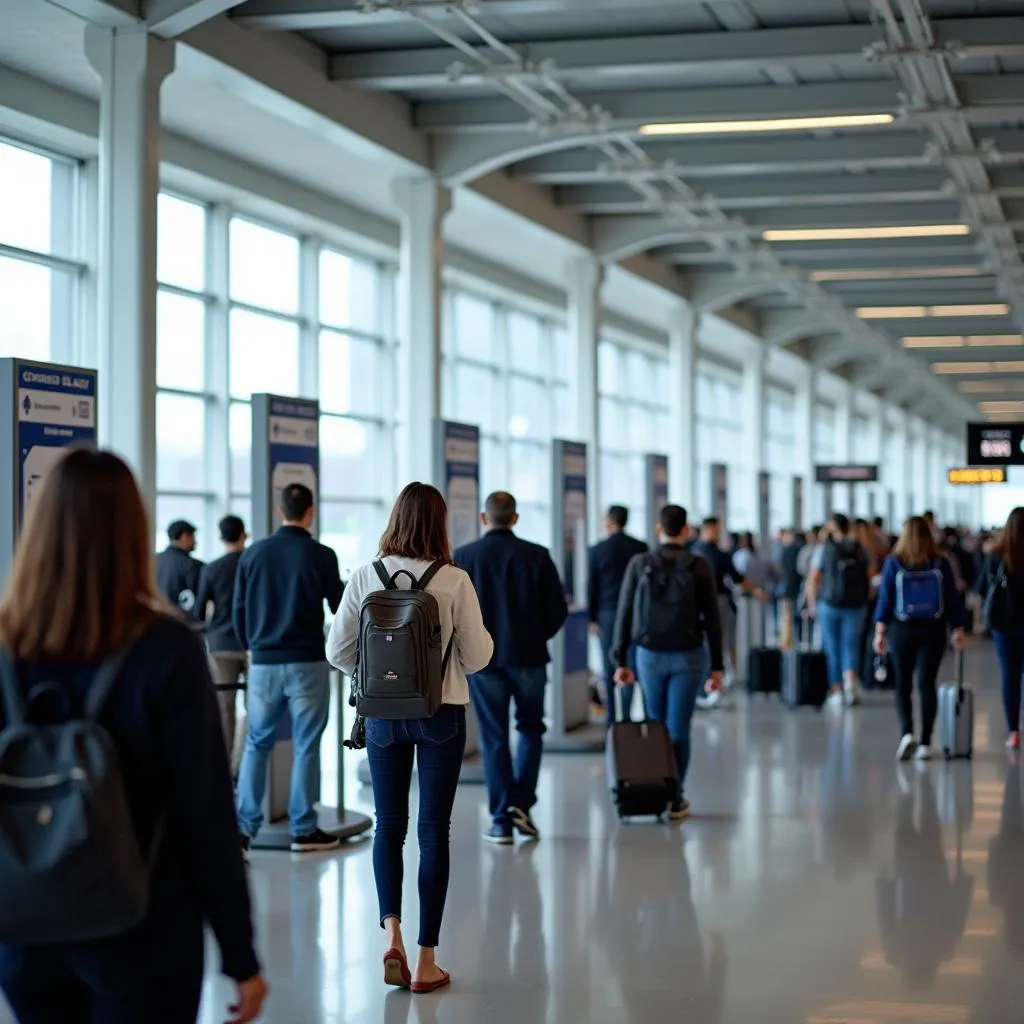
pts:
[303, 689]
[438, 744]
[606, 622]
[672, 681]
[492, 692]
[840, 637]
[1010, 652]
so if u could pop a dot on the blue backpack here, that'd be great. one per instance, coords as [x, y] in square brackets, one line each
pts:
[920, 594]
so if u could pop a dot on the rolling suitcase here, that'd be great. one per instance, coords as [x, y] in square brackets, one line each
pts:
[956, 715]
[764, 670]
[805, 675]
[642, 774]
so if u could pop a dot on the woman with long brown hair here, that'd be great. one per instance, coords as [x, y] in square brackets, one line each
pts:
[918, 604]
[414, 544]
[1004, 615]
[81, 603]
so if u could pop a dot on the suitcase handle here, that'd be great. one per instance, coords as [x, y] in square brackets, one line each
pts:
[958, 660]
[618, 710]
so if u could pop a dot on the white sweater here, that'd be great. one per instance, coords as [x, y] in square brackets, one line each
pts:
[459, 608]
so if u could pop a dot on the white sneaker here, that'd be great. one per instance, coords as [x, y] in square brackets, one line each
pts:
[924, 753]
[905, 751]
[851, 694]
[836, 699]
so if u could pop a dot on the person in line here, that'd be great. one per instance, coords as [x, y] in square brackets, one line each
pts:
[177, 569]
[606, 568]
[524, 606]
[229, 662]
[416, 537]
[1003, 577]
[838, 590]
[670, 645]
[81, 591]
[278, 613]
[792, 584]
[916, 635]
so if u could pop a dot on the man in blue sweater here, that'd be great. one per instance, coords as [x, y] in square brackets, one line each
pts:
[523, 607]
[278, 614]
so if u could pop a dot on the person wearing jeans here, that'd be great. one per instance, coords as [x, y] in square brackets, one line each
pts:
[303, 691]
[416, 538]
[523, 606]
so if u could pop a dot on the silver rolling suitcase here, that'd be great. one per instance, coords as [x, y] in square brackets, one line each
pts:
[956, 715]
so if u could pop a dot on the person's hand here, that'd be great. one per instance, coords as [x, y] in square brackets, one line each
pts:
[881, 643]
[762, 595]
[624, 677]
[714, 684]
[809, 610]
[249, 1003]
[959, 639]
[595, 629]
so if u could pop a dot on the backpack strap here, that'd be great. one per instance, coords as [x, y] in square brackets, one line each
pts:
[432, 570]
[103, 681]
[382, 574]
[10, 691]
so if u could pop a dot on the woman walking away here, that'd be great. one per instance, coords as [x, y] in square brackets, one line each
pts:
[918, 604]
[110, 721]
[414, 552]
[1003, 613]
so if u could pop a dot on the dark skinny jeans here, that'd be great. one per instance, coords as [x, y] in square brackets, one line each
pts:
[438, 745]
[1010, 652]
[917, 647]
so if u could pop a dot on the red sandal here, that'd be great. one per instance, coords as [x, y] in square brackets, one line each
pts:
[396, 969]
[423, 987]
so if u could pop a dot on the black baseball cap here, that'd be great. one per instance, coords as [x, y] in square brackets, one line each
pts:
[180, 528]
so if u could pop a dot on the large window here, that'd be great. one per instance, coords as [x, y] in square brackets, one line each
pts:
[506, 372]
[780, 454]
[245, 308]
[39, 258]
[632, 422]
[720, 438]
[824, 448]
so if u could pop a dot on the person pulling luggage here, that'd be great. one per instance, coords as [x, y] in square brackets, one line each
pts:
[668, 605]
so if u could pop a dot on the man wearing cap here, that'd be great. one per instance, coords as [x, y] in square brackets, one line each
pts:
[177, 572]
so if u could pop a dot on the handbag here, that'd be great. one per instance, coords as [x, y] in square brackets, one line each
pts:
[997, 611]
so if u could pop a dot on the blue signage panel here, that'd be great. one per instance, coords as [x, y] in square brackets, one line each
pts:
[656, 474]
[457, 457]
[293, 436]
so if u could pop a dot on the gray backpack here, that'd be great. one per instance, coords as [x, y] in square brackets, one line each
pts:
[71, 869]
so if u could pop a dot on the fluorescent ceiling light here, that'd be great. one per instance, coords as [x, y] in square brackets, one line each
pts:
[895, 273]
[1001, 406]
[852, 234]
[991, 387]
[766, 124]
[999, 366]
[967, 341]
[917, 312]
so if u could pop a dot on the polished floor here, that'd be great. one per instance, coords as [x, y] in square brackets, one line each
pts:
[818, 883]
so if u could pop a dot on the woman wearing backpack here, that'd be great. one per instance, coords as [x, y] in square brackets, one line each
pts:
[416, 538]
[89, 647]
[1003, 614]
[918, 604]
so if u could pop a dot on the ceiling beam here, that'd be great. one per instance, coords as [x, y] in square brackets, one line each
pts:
[832, 256]
[715, 292]
[783, 329]
[106, 13]
[828, 355]
[170, 18]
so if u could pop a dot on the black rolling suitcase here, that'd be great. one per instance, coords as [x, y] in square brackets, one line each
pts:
[805, 675]
[642, 773]
[764, 664]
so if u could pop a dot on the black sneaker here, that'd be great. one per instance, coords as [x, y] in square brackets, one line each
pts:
[315, 842]
[679, 811]
[500, 835]
[523, 823]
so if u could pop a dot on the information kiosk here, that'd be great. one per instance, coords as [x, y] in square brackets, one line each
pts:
[46, 408]
[656, 489]
[286, 450]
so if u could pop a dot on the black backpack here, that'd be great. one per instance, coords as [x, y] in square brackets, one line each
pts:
[71, 868]
[399, 666]
[665, 604]
[845, 581]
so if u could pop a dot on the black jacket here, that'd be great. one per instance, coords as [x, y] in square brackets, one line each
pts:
[521, 596]
[217, 587]
[627, 631]
[278, 608]
[177, 577]
[792, 581]
[606, 569]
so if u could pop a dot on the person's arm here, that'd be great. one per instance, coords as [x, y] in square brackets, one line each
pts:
[344, 633]
[333, 587]
[201, 820]
[473, 646]
[707, 609]
[556, 611]
[622, 636]
[238, 606]
[593, 586]
[814, 575]
[955, 602]
[203, 596]
[885, 605]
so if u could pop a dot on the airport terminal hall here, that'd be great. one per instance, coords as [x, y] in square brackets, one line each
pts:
[512, 511]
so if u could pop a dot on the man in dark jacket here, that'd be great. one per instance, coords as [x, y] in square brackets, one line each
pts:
[605, 571]
[682, 610]
[177, 572]
[278, 614]
[523, 607]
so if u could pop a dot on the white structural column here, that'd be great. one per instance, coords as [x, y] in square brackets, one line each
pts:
[803, 465]
[844, 497]
[132, 67]
[919, 473]
[422, 205]
[754, 429]
[682, 405]
[584, 276]
[901, 469]
[875, 455]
